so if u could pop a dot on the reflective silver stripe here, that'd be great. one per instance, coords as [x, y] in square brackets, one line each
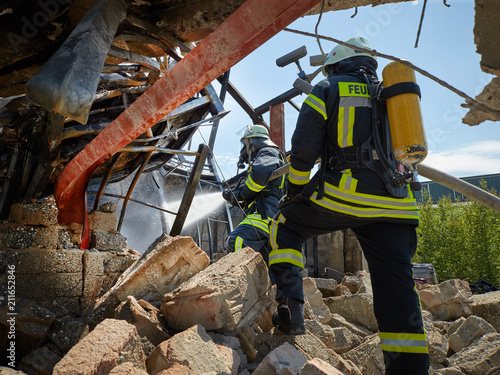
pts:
[298, 177]
[238, 244]
[286, 256]
[364, 212]
[252, 185]
[395, 342]
[355, 101]
[369, 200]
[317, 104]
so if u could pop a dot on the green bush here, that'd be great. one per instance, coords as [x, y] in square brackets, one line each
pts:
[461, 240]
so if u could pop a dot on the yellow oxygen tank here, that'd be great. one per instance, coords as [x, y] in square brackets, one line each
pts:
[405, 118]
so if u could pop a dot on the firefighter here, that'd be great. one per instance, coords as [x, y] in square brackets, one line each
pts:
[353, 188]
[257, 196]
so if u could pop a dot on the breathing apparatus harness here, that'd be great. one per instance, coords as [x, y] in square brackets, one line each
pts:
[376, 152]
[270, 189]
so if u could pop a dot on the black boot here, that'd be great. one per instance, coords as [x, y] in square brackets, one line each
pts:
[289, 318]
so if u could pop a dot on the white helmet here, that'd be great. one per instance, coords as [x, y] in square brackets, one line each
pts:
[341, 52]
[252, 131]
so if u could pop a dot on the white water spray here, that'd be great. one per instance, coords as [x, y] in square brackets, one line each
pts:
[202, 205]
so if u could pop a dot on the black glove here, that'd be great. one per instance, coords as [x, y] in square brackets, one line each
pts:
[232, 196]
[293, 190]
[292, 193]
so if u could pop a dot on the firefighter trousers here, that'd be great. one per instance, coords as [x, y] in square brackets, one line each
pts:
[388, 248]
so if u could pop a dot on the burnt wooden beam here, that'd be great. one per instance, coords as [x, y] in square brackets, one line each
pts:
[67, 83]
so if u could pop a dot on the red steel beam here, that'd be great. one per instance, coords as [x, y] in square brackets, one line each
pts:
[250, 26]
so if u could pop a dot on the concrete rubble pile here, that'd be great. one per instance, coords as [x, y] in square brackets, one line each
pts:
[174, 312]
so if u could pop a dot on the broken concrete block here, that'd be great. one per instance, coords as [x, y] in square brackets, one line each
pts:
[67, 332]
[341, 290]
[229, 294]
[339, 321]
[40, 361]
[247, 337]
[452, 328]
[31, 322]
[358, 283]
[110, 344]
[437, 345]
[146, 322]
[483, 357]
[368, 356]
[315, 299]
[356, 308]
[162, 268]
[472, 328]
[127, 368]
[39, 213]
[317, 366]
[447, 301]
[449, 371]
[108, 207]
[177, 369]
[309, 345]
[487, 306]
[326, 286]
[108, 241]
[284, 360]
[339, 339]
[25, 237]
[195, 349]
[104, 222]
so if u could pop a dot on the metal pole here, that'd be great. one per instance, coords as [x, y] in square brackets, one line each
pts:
[187, 199]
[473, 192]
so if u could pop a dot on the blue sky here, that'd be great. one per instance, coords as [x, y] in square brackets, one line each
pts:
[446, 49]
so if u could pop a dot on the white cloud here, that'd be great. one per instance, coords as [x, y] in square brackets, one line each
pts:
[476, 159]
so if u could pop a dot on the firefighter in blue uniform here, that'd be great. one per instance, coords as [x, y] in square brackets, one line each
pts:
[352, 189]
[258, 196]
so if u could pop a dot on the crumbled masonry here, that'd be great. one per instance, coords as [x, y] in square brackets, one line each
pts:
[172, 312]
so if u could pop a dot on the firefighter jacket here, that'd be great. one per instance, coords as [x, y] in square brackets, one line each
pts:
[338, 110]
[260, 195]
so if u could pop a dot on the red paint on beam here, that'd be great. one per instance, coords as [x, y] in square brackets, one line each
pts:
[277, 125]
[250, 26]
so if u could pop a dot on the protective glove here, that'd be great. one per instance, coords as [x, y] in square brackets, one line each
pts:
[292, 194]
[232, 196]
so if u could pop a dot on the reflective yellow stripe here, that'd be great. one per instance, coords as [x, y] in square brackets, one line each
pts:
[317, 104]
[369, 199]
[350, 127]
[363, 211]
[273, 229]
[252, 185]
[353, 89]
[347, 182]
[340, 127]
[286, 256]
[256, 221]
[298, 177]
[238, 243]
[403, 342]
[345, 126]
[283, 179]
